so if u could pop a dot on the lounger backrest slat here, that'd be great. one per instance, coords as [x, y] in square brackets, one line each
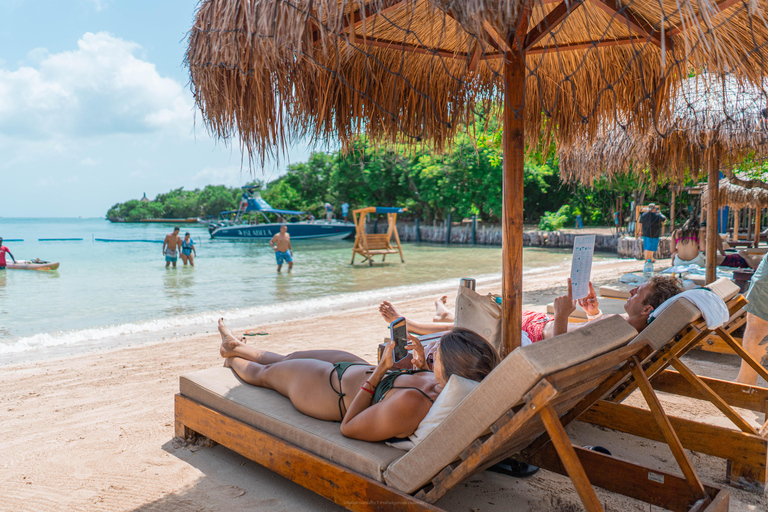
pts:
[724, 288]
[669, 323]
[501, 390]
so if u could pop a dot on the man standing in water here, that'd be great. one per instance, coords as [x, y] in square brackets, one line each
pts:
[281, 243]
[3, 250]
[170, 247]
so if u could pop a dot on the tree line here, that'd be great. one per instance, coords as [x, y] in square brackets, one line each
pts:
[466, 180]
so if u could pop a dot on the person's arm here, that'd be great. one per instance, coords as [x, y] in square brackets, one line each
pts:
[10, 254]
[165, 243]
[673, 236]
[289, 245]
[272, 243]
[193, 247]
[564, 306]
[720, 244]
[399, 417]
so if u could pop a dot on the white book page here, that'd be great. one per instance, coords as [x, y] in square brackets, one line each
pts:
[581, 265]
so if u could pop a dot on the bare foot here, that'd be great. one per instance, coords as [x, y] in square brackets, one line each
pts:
[441, 312]
[389, 312]
[228, 341]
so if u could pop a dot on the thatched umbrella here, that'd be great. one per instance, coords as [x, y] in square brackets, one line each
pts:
[742, 191]
[274, 71]
[715, 122]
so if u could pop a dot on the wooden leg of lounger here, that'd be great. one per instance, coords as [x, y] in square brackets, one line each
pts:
[751, 361]
[569, 459]
[713, 397]
[752, 398]
[666, 427]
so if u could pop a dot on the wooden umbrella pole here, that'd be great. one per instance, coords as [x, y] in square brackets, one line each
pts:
[512, 235]
[713, 181]
[758, 227]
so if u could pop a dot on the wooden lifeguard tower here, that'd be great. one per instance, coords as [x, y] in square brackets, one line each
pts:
[369, 245]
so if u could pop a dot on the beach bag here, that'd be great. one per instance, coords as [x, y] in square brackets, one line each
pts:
[479, 313]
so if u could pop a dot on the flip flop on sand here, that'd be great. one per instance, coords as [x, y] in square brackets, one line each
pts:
[255, 333]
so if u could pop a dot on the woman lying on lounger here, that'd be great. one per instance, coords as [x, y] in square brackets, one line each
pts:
[372, 403]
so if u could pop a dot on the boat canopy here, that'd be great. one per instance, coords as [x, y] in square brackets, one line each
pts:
[389, 209]
[257, 204]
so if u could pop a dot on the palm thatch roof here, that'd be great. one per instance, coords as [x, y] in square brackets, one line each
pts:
[732, 193]
[709, 114]
[272, 72]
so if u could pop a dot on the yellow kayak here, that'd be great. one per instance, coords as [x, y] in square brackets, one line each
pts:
[33, 265]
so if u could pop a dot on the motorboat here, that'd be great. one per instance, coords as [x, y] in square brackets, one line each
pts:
[242, 224]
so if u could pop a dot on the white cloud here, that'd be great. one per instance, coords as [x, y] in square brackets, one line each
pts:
[101, 88]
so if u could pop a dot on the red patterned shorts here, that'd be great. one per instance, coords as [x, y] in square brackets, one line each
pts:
[533, 324]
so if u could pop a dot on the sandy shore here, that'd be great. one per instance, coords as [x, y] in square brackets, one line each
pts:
[95, 432]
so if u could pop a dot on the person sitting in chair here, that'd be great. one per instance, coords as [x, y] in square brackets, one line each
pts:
[642, 301]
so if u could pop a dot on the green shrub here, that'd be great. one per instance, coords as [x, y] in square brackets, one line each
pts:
[555, 221]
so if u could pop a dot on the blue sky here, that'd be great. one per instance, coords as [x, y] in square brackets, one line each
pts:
[95, 108]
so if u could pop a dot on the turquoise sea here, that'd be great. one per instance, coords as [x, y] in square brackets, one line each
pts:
[113, 294]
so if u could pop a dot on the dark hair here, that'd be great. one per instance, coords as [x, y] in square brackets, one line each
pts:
[691, 228]
[186, 234]
[176, 228]
[466, 354]
[661, 289]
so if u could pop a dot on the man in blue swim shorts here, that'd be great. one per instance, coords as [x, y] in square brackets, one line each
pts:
[170, 248]
[281, 243]
[651, 221]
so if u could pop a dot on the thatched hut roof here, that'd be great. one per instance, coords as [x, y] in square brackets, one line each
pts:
[272, 72]
[709, 114]
[736, 195]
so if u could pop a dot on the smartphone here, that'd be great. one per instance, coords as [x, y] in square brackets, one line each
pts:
[399, 334]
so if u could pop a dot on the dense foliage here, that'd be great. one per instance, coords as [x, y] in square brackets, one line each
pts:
[178, 203]
[465, 181]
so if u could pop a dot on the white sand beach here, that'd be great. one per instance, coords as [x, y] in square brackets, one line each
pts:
[95, 432]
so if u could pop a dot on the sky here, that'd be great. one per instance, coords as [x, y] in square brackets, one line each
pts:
[95, 109]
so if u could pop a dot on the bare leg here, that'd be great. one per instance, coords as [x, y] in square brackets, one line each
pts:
[755, 342]
[191, 258]
[442, 314]
[390, 313]
[279, 267]
[232, 347]
[290, 266]
[648, 255]
[184, 259]
[753, 260]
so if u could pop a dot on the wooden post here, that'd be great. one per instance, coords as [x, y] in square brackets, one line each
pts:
[713, 182]
[418, 231]
[448, 230]
[512, 229]
[758, 218]
[474, 229]
[735, 234]
[672, 213]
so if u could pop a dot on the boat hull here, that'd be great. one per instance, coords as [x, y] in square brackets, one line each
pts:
[297, 230]
[25, 265]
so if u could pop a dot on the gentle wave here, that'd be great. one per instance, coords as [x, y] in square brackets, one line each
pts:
[111, 336]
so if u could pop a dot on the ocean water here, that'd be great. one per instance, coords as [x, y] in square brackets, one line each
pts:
[112, 294]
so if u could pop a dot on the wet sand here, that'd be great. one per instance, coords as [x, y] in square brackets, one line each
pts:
[95, 432]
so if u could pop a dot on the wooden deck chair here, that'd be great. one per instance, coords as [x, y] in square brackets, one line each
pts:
[673, 334]
[369, 245]
[517, 405]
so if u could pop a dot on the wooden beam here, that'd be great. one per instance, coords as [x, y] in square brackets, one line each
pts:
[758, 227]
[615, 9]
[578, 46]
[721, 442]
[752, 398]
[394, 45]
[550, 21]
[713, 181]
[496, 39]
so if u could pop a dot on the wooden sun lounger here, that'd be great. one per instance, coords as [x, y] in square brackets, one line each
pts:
[678, 330]
[516, 408]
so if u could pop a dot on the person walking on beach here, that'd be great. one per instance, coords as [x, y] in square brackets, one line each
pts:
[651, 221]
[170, 247]
[281, 243]
[188, 251]
[755, 340]
[3, 250]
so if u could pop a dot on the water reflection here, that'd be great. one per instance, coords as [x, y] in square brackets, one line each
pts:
[179, 288]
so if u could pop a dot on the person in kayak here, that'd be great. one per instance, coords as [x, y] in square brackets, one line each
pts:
[3, 250]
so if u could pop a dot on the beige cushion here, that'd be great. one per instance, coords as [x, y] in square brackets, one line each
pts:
[724, 288]
[479, 313]
[502, 389]
[669, 323]
[269, 411]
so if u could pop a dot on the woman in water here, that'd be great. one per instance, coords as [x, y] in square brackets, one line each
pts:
[688, 245]
[372, 402]
[188, 251]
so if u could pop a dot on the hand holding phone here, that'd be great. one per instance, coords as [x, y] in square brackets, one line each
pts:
[398, 333]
